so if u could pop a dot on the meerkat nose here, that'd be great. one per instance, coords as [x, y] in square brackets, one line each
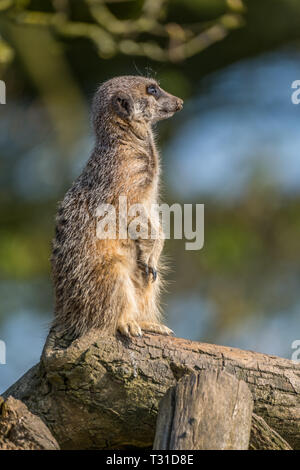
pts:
[179, 104]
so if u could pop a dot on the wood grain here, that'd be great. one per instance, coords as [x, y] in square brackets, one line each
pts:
[211, 410]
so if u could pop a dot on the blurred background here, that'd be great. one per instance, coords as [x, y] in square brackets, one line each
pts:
[234, 147]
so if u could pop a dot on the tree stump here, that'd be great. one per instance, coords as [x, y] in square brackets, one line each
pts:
[211, 410]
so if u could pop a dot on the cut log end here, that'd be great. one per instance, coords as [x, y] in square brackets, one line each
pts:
[205, 411]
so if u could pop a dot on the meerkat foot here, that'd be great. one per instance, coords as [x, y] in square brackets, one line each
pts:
[129, 328]
[156, 328]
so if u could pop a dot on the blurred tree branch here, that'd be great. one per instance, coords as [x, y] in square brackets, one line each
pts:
[168, 41]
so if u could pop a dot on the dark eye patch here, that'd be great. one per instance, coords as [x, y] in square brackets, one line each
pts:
[154, 91]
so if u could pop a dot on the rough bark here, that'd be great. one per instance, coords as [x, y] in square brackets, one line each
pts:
[105, 392]
[263, 437]
[211, 410]
[21, 430]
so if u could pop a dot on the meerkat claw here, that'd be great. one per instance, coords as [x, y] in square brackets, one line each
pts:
[154, 273]
[156, 328]
[167, 331]
[129, 328]
[149, 270]
[145, 269]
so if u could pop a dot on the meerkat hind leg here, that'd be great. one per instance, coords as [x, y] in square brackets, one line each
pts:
[127, 323]
[149, 314]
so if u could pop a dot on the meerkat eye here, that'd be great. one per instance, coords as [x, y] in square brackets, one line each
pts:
[153, 90]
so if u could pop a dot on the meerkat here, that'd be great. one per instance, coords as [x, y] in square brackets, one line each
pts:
[113, 284]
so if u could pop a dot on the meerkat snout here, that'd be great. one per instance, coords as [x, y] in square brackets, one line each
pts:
[179, 104]
[165, 104]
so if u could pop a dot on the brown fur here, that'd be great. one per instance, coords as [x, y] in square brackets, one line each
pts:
[107, 284]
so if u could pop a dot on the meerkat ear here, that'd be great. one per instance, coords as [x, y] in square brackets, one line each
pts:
[123, 104]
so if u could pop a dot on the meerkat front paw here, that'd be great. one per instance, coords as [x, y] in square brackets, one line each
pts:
[129, 328]
[149, 271]
[153, 272]
[156, 328]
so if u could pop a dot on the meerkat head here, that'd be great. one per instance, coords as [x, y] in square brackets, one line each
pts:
[134, 100]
